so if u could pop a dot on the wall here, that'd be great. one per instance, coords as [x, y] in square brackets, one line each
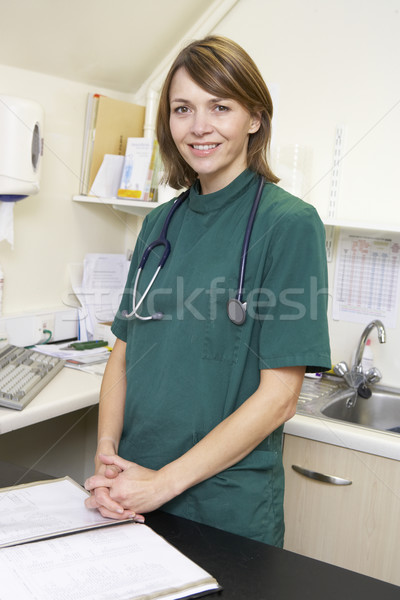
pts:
[50, 230]
[334, 63]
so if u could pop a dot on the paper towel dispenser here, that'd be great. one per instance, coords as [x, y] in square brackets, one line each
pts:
[21, 147]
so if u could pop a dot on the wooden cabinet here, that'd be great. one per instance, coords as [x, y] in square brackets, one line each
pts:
[354, 526]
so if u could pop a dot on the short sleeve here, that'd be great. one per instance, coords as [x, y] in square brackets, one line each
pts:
[292, 303]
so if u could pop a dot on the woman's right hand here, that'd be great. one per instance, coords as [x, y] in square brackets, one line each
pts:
[100, 498]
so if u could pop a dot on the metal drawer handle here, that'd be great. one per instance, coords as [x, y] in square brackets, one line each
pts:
[321, 477]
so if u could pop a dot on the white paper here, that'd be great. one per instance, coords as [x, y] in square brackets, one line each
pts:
[100, 291]
[32, 511]
[7, 222]
[107, 180]
[367, 277]
[92, 361]
[126, 562]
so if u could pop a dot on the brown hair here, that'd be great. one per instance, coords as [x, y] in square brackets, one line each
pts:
[221, 67]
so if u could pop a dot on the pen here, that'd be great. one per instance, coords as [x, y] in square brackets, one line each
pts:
[88, 345]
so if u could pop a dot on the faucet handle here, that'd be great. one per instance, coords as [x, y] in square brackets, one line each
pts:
[341, 369]
[373, 375]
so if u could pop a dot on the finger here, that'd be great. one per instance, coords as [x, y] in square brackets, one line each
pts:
[112, 471]
[91, 502]
[101, 499]
[109, 514]
[139, 518]
[97, 481]
[115, 460]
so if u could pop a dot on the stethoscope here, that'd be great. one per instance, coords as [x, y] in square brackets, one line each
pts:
[236, 308]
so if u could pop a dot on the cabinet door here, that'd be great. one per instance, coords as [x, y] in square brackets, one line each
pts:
[354, 526]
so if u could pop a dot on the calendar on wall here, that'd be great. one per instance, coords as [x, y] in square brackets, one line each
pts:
[367, 277]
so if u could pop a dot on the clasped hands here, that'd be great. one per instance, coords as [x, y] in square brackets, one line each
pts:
[122, 489]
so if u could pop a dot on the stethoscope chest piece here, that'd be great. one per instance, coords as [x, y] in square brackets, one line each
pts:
[236, 311]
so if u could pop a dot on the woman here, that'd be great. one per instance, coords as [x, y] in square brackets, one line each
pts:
[192, 405]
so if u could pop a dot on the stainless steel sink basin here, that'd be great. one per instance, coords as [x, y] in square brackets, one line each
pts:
[380, 411]
[326, 398]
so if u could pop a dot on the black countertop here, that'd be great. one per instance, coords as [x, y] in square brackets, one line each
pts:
[249, 570]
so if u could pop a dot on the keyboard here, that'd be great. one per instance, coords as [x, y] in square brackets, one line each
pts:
[23, 373]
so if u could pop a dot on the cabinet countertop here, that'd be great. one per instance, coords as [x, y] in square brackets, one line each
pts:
[72, 390]
[346, 435]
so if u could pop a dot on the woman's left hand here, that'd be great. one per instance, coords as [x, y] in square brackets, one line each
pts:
[136, 488]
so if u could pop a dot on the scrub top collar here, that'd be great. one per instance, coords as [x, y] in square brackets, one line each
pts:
[205, 203]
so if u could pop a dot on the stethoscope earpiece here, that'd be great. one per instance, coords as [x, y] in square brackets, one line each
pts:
[157, 316]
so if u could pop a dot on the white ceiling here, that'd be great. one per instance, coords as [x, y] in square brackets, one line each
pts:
[114, 44]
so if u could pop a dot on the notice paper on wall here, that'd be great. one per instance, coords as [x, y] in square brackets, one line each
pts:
[367, 277]
[99, 288]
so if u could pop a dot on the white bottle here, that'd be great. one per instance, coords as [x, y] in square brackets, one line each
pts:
[367, 361]
[1, 290]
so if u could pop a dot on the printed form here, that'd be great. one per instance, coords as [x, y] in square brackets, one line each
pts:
[76, 555]
[367, 277]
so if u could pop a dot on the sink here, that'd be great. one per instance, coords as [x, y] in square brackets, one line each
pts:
[380, 411]
[326, 398]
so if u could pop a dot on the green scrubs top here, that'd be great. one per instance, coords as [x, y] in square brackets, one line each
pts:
[189, 371]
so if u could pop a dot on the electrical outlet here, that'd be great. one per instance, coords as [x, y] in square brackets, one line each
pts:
[29, 329]
[47, 324]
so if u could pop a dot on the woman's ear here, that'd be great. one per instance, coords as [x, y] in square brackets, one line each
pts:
[255, 122]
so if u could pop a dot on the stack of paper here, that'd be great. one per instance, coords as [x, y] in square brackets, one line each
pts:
[92, 361]
[125, 561]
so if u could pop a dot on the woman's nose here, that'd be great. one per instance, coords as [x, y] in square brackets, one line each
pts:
[201, 123]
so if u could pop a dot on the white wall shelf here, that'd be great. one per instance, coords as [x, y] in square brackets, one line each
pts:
[133, 207]
[141, 209]
[362, 225]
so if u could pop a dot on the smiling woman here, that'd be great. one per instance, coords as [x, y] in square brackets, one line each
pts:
[193, 402]
[223, 71]
[211, 134]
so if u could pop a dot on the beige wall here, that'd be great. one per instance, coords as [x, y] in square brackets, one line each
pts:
[335, 62]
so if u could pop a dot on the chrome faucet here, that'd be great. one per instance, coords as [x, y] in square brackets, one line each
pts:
[355, 377]
[363, 340]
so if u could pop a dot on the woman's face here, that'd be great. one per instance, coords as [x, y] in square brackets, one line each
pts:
[211, 133]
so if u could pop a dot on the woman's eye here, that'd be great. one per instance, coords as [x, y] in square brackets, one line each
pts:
[181, 110]
[221, 108]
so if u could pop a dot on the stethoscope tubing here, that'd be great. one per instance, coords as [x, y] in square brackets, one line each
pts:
[246, 240]
[160, 241]
[134, 294]
[236, 306]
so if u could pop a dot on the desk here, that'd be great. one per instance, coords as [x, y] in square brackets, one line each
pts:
[250, 570]
[70, 390]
